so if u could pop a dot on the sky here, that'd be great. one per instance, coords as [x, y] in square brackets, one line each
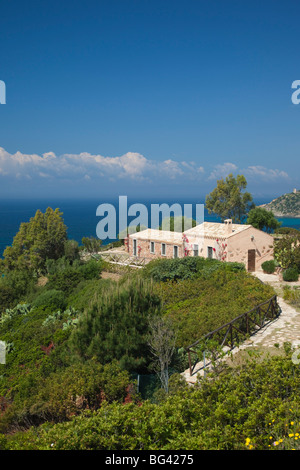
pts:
[148, 98]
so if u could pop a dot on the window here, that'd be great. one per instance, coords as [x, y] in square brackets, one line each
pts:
[152, 247]
[196, 250]
[134, 247]
[163, 249]
[209, 252]
[175, 251]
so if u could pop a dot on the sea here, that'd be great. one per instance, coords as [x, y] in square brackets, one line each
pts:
[80, 215]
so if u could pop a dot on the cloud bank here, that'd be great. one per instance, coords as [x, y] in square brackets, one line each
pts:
[129, 167]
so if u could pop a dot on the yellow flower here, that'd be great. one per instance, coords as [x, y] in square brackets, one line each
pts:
[251, 447]
[270, 437]
[276, 443]
[291, 435]
[292, 422]
[297, 434]
[247, 441]
[280, 440]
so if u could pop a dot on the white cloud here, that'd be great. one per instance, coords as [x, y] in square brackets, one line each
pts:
[267, 174]
[86, 166]
[221, 171]
[131, 166]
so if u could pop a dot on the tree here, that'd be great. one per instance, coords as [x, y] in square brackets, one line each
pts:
[91, 244]
[71, 250]
[262, 219]
[162, 345]
[228, 200]
[115, 325]
[42, 238]
[287, 251]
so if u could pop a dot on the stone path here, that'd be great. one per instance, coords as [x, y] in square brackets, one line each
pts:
[286, 328]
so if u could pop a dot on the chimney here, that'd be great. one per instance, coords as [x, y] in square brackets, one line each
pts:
[228, 226]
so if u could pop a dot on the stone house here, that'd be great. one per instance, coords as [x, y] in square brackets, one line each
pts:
[224, 241]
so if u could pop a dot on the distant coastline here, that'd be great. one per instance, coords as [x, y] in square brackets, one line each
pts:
[287, 205]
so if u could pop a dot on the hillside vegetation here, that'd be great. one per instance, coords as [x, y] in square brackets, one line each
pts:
[287, 205]
[75, 341]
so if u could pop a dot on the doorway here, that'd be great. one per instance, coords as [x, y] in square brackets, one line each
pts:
[251, 260]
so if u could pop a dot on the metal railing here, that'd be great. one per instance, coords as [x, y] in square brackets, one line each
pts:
[234, 331]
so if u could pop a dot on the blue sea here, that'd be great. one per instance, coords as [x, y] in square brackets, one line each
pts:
[80, 215]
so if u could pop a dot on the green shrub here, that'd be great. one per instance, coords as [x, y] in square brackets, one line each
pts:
[163, 270]
[290, 275]
[69, 391]
[286, 230]
[65, 280]
[91, 270]
[14, 287]
[54, 299]
[200, 305]
[87, 292]
[255, 404]
[7, 297]
[269, 266]
[116, 325]
[66, 277]
[292, 296]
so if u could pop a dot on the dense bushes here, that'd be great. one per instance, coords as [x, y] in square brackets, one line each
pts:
[54, 299]
[292, 296]
[186, 268]
[116, 326]
[287, 250]
[198, 306]
[290, 275]
[67, 279]
[253, 406]
[15, 286]
[69, 391]
[269, 266]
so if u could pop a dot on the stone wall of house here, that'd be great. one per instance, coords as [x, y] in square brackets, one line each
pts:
[143, 249]
[238, 246]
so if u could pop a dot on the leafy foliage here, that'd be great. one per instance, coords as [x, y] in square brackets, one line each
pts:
[162, 270]
[43, 237]
[287, 250]
[198, 306]
[250, 405]
[228, 200]
[290, 275]
[263, 219]
[116, 326]
[55, 299]
[91, 244]
[269, 266]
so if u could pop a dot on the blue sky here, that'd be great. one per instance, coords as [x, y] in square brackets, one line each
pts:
[147, 98]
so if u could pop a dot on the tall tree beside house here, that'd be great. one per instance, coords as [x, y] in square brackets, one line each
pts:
[42, 238]
[263, 220]
[229, 200]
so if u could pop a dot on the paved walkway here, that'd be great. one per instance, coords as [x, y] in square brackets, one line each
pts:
[286, 328]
